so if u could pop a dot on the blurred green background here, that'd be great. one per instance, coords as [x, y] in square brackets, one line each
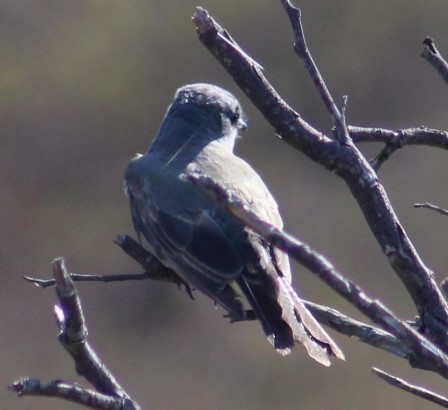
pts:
[84, 86]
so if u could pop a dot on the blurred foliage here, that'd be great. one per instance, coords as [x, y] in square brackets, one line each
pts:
[84, 85]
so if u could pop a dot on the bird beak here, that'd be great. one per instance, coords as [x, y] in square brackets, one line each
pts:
[242, 125]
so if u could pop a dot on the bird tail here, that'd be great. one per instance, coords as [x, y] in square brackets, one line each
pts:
[309, 332]
[286, 320]
[269, 313]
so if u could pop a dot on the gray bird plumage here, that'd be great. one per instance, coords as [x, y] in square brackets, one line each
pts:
[205, 245]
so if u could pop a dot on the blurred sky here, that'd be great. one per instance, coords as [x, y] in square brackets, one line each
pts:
[84, 86]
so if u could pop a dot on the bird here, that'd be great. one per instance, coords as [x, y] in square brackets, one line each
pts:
[212, 251]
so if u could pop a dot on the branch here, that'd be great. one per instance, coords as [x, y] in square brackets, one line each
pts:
[70, 392]
[73, 336]
[353, 328]
[77, 277]
[423, 353]
[416, 390]
[302, 50]
[326, 315]
[432, 207]
[432, 55]
[347, 162]
[254, 84]
[395, 140]
[154, 269]
[408, 136]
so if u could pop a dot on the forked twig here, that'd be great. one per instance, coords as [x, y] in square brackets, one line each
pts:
[73, 336]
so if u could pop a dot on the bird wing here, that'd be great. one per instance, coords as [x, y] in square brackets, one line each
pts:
[200, 242]
[196, 248]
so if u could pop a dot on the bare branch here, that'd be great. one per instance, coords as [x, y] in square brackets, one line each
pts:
[395, 140]
[348, 163]
[301, 49]
[326, 315]
[423, 353]
[76, 277]
[154, 269]
[432, 207]
[70, 392]
[384, 155]
[247, 74]
[73, 336]
[409, 136]
[432, 55]
[416, 390]
[354, 328]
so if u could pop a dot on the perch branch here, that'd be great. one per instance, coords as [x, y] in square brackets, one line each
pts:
[154, 269]
[423, 353]
[326, 315]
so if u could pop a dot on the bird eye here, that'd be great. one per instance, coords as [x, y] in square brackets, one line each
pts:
[234, 117]
[237, 119]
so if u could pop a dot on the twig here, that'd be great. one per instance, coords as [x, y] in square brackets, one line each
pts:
[432, 55]
[411, 388]
[301, 49]
[286, 122]
[348, 163]
[395, 140]
[389, 148]
[154, 269]
[408, 136]
[77, 277]
[432, 207]
[73, 336]
[70, 392]
[354, 328]
[326, 315]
